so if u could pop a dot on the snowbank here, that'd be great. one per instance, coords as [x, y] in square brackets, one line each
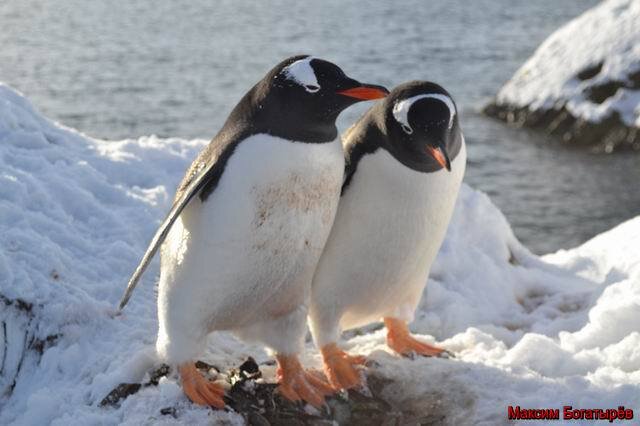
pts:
[583, 82]
[76, 213]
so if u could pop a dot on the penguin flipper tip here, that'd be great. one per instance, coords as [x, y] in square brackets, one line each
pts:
[162, 231]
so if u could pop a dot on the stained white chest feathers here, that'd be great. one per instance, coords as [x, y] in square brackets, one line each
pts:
[258, 235]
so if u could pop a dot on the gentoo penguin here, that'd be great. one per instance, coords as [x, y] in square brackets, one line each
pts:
[248, 224]
[405, 159]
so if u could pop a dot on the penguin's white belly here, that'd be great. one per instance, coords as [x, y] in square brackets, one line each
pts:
[248, 252]
[388, 229]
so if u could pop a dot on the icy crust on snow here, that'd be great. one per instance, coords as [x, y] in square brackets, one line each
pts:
[76, 214]
[599, 48]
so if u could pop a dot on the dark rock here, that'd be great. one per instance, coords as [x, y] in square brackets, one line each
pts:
[201, 365]
[260, 403]
[250, 368]
[169, 411]
[590, 72]
[256, 419]
[157, 374]
[21, 347]
[40, 345]
[633, 80]
[122, 391]
[608, 135]
[601, 92]
[18, 303]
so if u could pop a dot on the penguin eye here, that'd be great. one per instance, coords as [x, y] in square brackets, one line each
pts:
[407, 129]
[311, 88]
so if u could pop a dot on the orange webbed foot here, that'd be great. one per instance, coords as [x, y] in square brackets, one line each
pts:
[198, 389]
[340, 367]
[400, 340]
[296, 384]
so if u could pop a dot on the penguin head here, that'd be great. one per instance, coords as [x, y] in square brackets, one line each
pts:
[422, 121]
[306, 94]
[322, 85]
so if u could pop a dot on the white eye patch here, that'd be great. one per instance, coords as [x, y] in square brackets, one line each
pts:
[401, 109]
[302, 73]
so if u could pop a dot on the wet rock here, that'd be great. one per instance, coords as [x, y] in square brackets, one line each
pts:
[124, 390]
[157, 374]
[169, 411]
[609, 135]
[248, 370]
[442, 401]
[261, 404]
[203, 366]
[20, 346]
[382, 402]
[590, 72]
[40, 345]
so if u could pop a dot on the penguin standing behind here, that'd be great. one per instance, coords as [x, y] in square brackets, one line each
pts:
[248, 224]
[405, 159]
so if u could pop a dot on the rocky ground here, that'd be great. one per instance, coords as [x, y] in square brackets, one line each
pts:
[260, 404]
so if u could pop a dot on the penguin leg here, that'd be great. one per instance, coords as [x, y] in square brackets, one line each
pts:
[284, 334]
[340, 367]
[400, 340]
[198, 389]
[295, 384]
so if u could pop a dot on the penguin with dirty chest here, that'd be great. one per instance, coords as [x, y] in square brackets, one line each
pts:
[249, 221]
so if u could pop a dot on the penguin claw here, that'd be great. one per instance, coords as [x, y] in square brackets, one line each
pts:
[401, 341]
[340, 367]
[198, 389]
[446, 354]
[296, 384]
[408, 346]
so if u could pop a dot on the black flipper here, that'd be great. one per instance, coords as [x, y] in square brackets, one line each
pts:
[161, 234]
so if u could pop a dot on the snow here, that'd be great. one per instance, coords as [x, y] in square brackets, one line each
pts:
[608, 34]
[76, 215]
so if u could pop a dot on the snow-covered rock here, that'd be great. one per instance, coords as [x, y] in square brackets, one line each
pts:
[76, 214]
[583, 82]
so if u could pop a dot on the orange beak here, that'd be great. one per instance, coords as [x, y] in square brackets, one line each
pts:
[440, 157]
[365, 92]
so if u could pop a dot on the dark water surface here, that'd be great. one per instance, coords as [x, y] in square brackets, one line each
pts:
[120, 69]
